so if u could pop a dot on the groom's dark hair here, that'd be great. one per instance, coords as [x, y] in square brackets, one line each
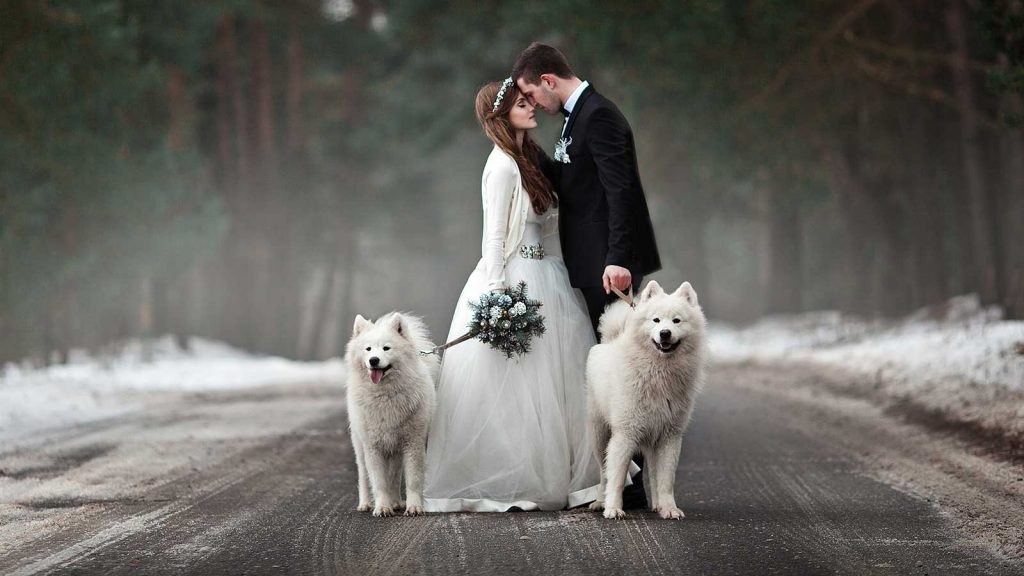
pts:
[540, 59]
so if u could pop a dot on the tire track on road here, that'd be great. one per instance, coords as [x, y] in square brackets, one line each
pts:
[127, 528]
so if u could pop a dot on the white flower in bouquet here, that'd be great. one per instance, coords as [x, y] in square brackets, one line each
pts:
[507, 321]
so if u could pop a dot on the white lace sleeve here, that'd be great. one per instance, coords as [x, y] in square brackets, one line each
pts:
[499, 183]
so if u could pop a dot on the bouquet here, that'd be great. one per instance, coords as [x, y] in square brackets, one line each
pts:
[507, 320]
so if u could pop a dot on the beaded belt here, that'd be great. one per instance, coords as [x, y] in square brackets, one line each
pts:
[532, 251]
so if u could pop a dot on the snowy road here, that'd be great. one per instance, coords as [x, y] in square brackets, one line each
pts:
[775, 477]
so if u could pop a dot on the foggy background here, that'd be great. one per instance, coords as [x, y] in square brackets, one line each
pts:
[260, 171]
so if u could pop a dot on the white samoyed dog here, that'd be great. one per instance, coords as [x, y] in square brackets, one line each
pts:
[642, 381]
[390, 404]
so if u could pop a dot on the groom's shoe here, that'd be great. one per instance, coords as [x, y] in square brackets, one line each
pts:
[633, 496]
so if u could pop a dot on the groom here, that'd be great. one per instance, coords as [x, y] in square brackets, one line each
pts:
[605, 229]
[606, 232]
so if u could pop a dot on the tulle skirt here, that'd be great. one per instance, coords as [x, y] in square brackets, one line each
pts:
[514, 432]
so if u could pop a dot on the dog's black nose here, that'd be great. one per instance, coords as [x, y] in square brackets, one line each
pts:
[374, 361]
[665, 334]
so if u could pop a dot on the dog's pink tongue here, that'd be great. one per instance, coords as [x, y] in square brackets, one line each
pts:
[376, 374]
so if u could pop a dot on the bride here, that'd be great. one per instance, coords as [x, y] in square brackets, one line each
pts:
[512, 433]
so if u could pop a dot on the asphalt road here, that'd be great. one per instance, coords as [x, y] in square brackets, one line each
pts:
[763, 494]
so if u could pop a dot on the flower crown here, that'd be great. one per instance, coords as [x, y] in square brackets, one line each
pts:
[501, 94]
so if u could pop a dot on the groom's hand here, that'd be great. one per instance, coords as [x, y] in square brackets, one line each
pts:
[616, 276]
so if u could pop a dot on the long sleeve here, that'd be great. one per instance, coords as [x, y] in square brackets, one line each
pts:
[611, 146]
[499, 184]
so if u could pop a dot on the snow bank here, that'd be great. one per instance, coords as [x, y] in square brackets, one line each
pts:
[90, 388]
[970, 343]
[960, 360]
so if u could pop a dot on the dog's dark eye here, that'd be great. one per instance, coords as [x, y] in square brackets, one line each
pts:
[676, 320]
[386, 348]
[368, 348]
[657, 319]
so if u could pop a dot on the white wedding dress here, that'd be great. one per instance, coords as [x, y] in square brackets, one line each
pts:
[513, 433]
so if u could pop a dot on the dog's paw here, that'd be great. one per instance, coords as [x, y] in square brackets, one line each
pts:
[414, 510]
[382, 511]
[612, 513]
[671, 513]
[400, 505]
[364, 507]
[596, 505]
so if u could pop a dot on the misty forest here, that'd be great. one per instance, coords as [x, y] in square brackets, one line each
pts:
[259, 171]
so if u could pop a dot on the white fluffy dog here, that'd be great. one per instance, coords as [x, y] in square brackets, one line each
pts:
[390, 403]
[642, 382]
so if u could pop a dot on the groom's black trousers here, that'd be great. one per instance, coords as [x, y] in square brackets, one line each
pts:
[632, 496]
[597, 300]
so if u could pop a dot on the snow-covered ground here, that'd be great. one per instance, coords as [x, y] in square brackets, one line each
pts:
[960, 360]
[967, 364]
[139, 372]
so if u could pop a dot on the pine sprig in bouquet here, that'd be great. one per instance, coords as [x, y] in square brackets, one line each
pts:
[507, 320]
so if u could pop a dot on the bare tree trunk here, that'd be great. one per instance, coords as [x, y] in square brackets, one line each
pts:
[67, 304]
[338, 313]
[1011, 145]
[245, 253]
[784, 252]
[289, 253]
[227, 113]
[929, 285]
[328, 344]
[179, 133]
[50, 341]
[145, 315]
[764, 245]
[243, 146]
[925, 275]
[263, 95]
[169, 306]
[694, 261]
[231, 122]
[859, 227]
[982, 225]
[317, 285]
[345, 313]
[323, 307]
[295, 89]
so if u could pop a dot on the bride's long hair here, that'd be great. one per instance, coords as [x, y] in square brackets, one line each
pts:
[498, 128]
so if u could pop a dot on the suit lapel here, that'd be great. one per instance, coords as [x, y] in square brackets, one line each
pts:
[577, 109]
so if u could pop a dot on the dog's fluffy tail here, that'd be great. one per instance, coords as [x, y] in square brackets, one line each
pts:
[613, 321]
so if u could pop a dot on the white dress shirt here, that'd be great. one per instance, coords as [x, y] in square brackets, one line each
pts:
[571, 102]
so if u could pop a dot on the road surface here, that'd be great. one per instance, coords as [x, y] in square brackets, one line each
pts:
[773, 480]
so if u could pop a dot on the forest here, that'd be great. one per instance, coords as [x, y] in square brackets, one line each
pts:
[259, 171]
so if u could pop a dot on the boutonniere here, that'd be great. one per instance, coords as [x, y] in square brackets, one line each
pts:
[561, 153]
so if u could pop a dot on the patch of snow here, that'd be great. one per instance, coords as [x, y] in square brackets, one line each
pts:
[91, 388]
[970, 343]
[960, 358]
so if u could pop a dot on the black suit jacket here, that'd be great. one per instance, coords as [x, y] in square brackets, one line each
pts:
[603, 217]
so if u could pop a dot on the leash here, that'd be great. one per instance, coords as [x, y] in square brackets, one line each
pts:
[627, 298]
[438, 349]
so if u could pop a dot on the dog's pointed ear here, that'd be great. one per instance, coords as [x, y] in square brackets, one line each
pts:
[397, 323]
[687, 293]
[361, 325]
[653, 289]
